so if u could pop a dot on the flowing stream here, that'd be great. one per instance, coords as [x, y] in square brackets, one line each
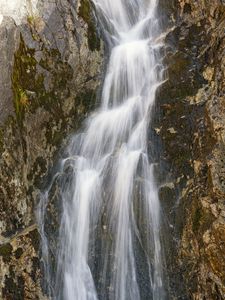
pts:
[109, 238]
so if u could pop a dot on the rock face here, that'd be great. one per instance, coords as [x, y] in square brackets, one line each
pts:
[192, 129]
[51, 61]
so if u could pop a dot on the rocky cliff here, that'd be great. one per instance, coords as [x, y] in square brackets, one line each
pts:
[192, 129]
[50, 59]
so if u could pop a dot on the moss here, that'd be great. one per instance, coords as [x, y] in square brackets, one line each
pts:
[31, 19]
[23, 75]
[85, 13]
[6, 252]
[28, 82]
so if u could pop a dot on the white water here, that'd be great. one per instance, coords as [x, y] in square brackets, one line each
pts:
[111, 212]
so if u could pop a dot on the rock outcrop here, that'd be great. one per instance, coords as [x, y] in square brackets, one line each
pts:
[192, 129]
[51, 61]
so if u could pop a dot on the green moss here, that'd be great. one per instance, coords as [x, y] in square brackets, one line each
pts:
[85, 14]
[28, 82]
[6, 252]
[23, 78]
[31, 19]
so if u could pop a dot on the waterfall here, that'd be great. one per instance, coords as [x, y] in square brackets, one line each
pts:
[109, 237]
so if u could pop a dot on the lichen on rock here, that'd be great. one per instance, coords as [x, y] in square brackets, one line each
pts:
[51, 74]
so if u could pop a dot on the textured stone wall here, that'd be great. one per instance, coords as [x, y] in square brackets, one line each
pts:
[51, 61]
[192, 129]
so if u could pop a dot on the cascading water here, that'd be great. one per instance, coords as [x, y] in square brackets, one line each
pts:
[109, 237]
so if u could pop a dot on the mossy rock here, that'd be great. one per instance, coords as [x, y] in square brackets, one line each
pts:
[28, 81]
[85, 12]
[6, 252]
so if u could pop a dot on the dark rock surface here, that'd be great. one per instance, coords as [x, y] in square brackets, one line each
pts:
[192, 129]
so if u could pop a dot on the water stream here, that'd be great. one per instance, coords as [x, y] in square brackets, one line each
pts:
[109, 238]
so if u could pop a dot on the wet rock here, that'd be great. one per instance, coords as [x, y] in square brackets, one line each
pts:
[191, 103]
